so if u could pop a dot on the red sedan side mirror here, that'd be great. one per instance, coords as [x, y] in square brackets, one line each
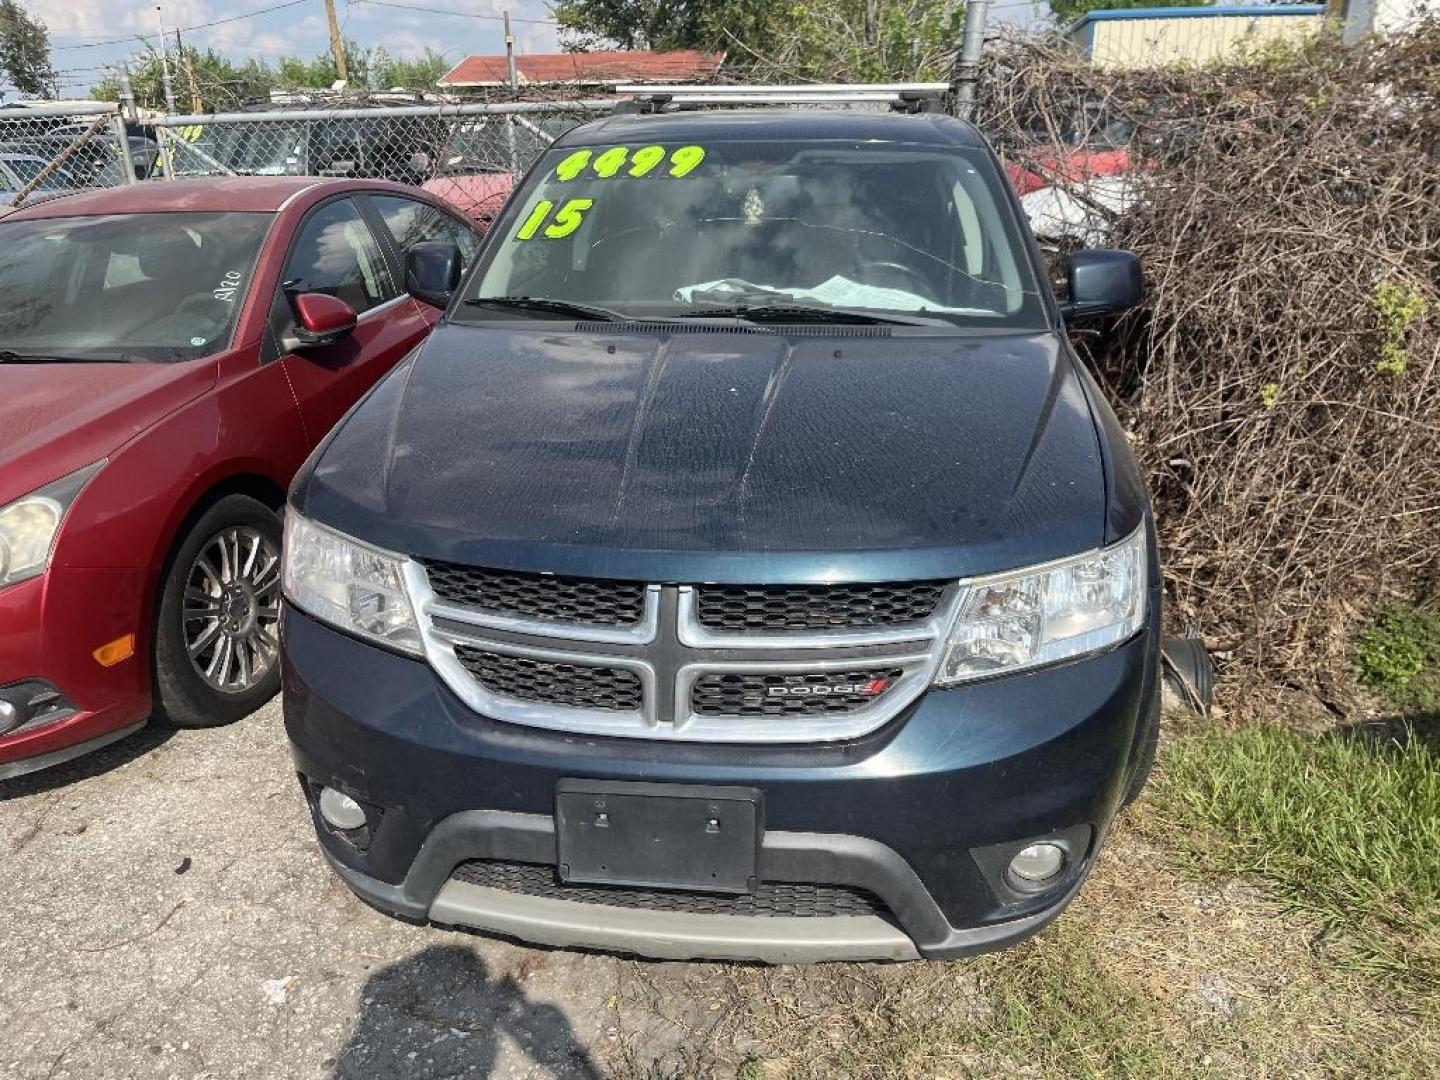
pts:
[320, 320]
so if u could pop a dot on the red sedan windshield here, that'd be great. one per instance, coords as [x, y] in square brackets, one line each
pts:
[137, 287]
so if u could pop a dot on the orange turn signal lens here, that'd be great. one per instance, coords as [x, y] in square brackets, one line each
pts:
[111, 653]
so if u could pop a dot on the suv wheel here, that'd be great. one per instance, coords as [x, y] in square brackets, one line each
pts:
[216, 640]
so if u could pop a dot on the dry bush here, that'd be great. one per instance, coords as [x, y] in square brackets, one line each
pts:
[1281, 383]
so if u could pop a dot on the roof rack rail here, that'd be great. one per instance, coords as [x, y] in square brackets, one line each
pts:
[904, 97]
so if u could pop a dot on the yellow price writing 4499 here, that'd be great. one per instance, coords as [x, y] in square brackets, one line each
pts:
[567, 219]
[616, 160]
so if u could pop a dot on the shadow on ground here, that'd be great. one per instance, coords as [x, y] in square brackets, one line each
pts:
[439, 1013]
[1416, 728]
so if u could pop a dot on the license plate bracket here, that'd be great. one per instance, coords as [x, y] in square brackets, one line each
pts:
[668, 836]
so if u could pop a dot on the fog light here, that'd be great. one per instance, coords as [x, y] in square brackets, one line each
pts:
[1038, 863]
[31, 703]
[10, 716]
[340, 811]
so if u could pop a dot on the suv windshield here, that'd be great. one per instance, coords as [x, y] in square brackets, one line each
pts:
[676, 229]
[156, 287]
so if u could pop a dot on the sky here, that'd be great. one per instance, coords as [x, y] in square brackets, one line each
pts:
[84, 33]
[88, 37]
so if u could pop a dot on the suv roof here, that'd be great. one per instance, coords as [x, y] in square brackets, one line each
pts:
[779, 124]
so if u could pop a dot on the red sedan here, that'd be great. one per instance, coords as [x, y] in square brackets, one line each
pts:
[169, 354]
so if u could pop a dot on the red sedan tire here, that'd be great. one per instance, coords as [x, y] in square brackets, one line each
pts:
[216, 644]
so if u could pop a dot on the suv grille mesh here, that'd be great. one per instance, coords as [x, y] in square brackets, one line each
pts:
[770, 899]
[743, 608]
[575, 685]
[740, 694]
[538, 596]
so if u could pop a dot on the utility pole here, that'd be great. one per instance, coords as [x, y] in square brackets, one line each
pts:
[165, 63]
[127, 92]
[337, 43]
[196, 104]
[967, 61]
[510, 53]
[514, 92]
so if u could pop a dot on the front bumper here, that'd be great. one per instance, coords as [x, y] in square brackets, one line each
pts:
[921, 814]
[50, 627]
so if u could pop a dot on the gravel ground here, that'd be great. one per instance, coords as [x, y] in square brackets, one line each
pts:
[167, 913]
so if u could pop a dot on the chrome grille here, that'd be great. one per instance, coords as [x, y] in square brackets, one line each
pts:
[751, 608]
[574, 685]
[592, 601]
[666, 675]
[772, 899]
[741, 694]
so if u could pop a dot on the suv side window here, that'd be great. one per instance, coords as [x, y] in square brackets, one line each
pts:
[410, 222]
[336, 253]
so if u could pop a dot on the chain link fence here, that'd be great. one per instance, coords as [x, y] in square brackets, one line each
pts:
[48, 151]
[469, 154]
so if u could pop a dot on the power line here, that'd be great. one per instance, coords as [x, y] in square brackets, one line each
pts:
[183, 29]
[450, 11]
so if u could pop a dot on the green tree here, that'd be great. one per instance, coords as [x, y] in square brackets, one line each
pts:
[320, 73]
[422, 73]
[859, 41]
[804, 39]
[664, 24]
[1067, 11]
[25, 51]
[220, 83]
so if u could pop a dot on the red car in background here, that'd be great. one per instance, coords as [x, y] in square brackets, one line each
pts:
[169, 354]
[1076, 166]
[1095, 142]
[480, 196]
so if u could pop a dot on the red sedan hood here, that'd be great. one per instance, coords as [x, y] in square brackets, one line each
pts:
[55, 418]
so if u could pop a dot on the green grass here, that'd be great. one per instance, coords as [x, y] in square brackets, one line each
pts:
[1400, 657]
[1342, 827]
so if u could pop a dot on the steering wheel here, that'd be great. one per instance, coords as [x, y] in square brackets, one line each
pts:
[915, 282]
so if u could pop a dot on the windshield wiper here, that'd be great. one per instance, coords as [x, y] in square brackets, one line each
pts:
[10, 356]
[803, 313]
[545, 303]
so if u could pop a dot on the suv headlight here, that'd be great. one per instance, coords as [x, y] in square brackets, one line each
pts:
[1038, 615]
[352, 586]
[28, 526]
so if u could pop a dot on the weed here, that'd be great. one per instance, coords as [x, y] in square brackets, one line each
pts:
[1400, 657]
[1397, 305]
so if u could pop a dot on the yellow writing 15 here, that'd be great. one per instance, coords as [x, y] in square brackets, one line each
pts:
[683, 161]
[567, 219]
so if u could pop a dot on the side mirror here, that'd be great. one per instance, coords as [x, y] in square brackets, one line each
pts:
[432, 271]
[320, 319]
[1103, 280]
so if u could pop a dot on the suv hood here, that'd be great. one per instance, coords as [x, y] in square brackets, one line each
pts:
[58, 417]
[708, 456]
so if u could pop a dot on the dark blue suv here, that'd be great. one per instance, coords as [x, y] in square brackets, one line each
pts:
[746, 567]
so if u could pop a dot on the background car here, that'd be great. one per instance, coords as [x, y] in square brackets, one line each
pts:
[169, 355]
[18, 171]
[480, 196]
